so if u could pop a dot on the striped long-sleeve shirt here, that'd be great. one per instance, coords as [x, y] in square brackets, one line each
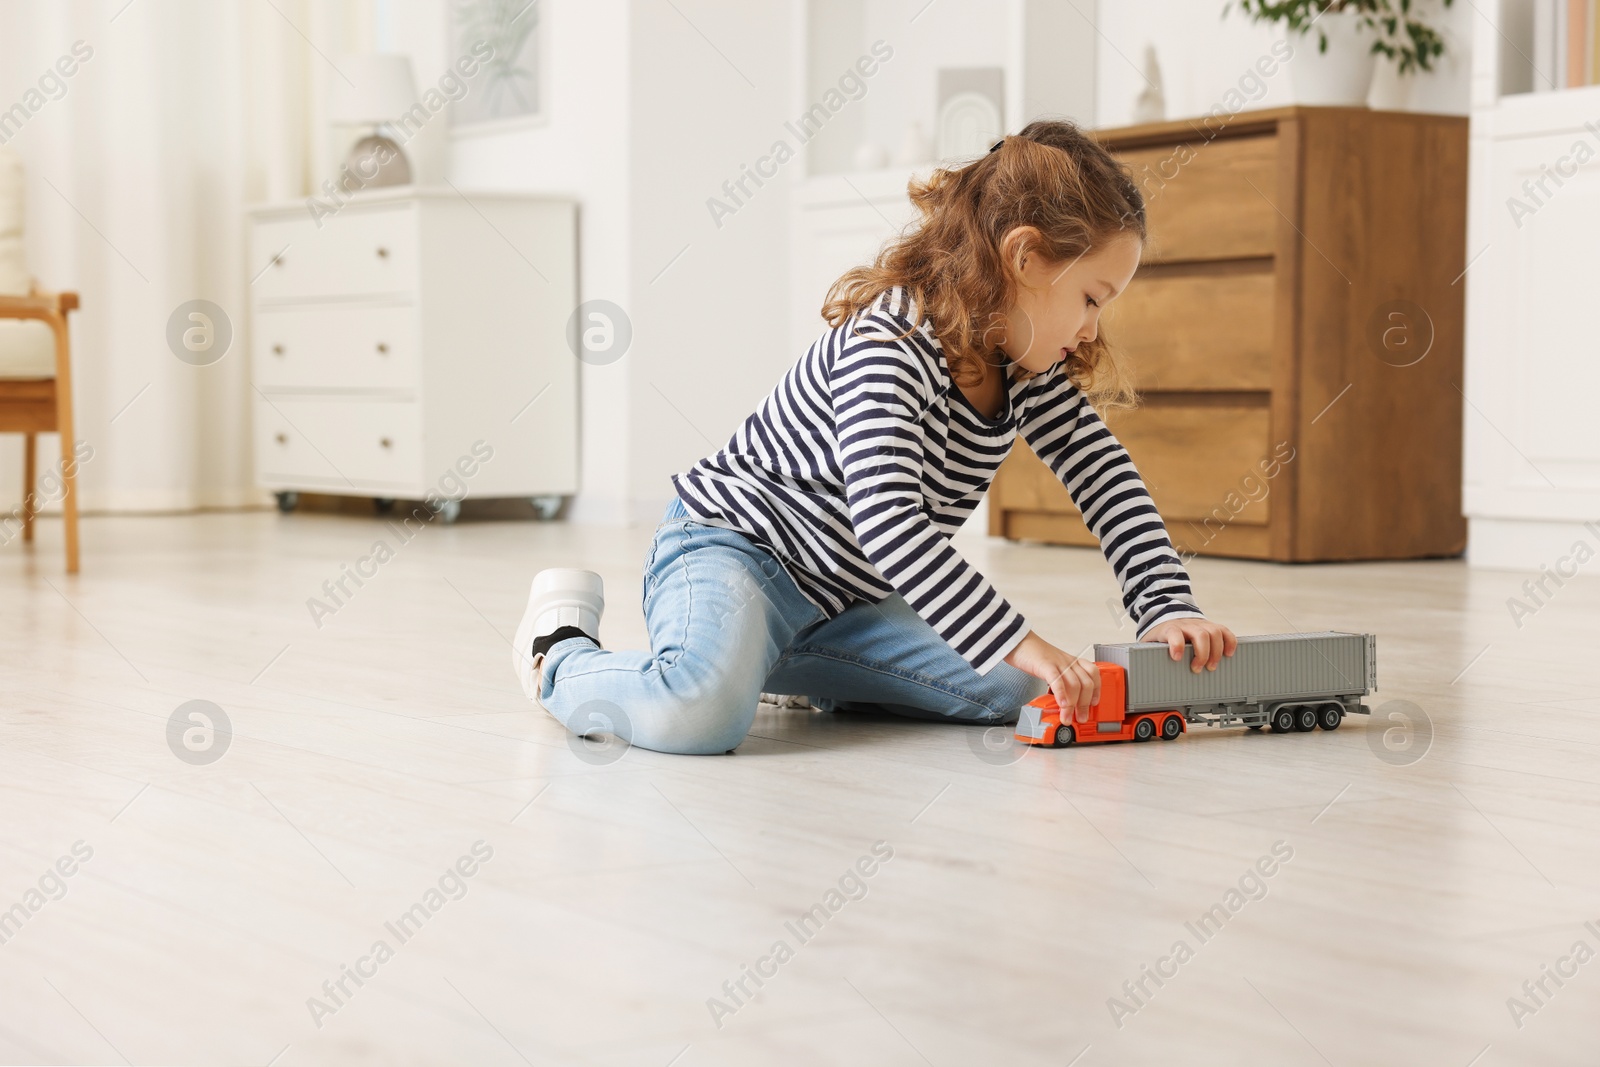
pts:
[866, 456]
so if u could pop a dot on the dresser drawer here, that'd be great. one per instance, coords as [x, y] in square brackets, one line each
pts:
[1209, 200]
[336, 346]
[339, 443]
[358, 252]
[1201, 331]
[1199, 461]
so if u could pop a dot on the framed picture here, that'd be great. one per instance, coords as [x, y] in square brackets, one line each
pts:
[972, 107]
[509, 89]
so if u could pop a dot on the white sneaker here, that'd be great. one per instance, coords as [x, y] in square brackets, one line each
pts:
[782, 700]
[560, 596]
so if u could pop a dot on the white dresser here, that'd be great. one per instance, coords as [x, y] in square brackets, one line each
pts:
[397, 342]
[1532, 470]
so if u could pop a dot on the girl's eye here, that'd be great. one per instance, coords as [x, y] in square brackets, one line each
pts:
[1091, 300]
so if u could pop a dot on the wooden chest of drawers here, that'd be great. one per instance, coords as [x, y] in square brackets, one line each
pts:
[1295, 331]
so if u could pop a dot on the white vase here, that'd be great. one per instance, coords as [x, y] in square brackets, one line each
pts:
[870, 156]
[914, 147]
[1341, 76]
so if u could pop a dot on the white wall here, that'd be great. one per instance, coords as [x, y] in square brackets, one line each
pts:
[647, 119]
[190, 110]
[583, 151]
[163, 138]
[924, 37]
[1203, 55]
[836, 32]
[710, 330]
[948, 33]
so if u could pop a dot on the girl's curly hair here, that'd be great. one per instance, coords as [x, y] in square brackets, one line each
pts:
[1051, 176]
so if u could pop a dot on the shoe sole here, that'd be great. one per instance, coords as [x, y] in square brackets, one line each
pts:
[575, 596]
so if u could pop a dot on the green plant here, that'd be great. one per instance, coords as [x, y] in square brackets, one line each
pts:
[1399, 35]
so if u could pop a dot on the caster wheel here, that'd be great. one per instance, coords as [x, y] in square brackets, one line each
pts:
[450, 511]
[383, 504]
[547, 507]
[288, 500]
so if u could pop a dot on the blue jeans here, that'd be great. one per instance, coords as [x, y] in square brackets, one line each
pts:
[727, 623]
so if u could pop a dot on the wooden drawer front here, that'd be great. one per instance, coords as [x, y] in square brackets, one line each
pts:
[1197, 331]
[338, 442]
[336, 347]
[1244, 542]
[1209, 200]
[358, 252]
[1199, 462]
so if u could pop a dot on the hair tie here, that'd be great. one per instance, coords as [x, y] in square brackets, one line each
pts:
[996, 146]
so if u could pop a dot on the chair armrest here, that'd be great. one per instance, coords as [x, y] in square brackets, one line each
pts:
[37, 305]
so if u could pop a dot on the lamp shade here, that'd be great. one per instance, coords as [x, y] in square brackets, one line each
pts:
[374, 88]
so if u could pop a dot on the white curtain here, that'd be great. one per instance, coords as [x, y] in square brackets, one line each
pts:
[138, 175]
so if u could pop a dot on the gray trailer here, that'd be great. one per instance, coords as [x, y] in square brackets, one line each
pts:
[1286, 681]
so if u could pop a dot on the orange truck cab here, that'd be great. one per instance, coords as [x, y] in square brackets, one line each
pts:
[1041, 720]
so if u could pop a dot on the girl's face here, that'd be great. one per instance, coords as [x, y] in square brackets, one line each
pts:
[1058, 303]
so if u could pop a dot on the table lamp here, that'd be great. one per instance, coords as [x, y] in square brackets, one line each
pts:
[375, 90]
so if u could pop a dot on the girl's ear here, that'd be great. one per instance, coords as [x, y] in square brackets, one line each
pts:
[1019, 238]
[1016, 246]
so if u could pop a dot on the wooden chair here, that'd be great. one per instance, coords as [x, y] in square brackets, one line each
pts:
[36, 397]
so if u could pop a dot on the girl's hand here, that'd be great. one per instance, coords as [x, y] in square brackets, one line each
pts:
[1074, 682]
[1211, 640]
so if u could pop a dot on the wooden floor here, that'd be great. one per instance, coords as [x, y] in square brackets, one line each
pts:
[1424, 884]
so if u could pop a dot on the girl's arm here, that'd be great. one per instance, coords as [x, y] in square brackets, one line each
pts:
[1064, 430]
[880, 390]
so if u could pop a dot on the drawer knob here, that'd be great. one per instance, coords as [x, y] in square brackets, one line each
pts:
[277, 350]
[383, 349]
[282, 438]
[383, 253]
[385, 442]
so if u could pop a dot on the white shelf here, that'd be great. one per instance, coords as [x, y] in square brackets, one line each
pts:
[1537, 114]
[851, 187]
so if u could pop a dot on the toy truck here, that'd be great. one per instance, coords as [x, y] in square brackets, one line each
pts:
[1283, 681]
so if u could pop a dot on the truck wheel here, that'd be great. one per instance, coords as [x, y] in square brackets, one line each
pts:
[1171, 728]
[1282, 721]
[1065, 736]
[1330, 716]
[1144, 730]
[1305, 720]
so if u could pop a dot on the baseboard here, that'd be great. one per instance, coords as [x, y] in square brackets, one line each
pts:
[163, 501]
[648, 511]
[597, 510]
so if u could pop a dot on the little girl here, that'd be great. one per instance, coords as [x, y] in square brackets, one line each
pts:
[811, 554]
